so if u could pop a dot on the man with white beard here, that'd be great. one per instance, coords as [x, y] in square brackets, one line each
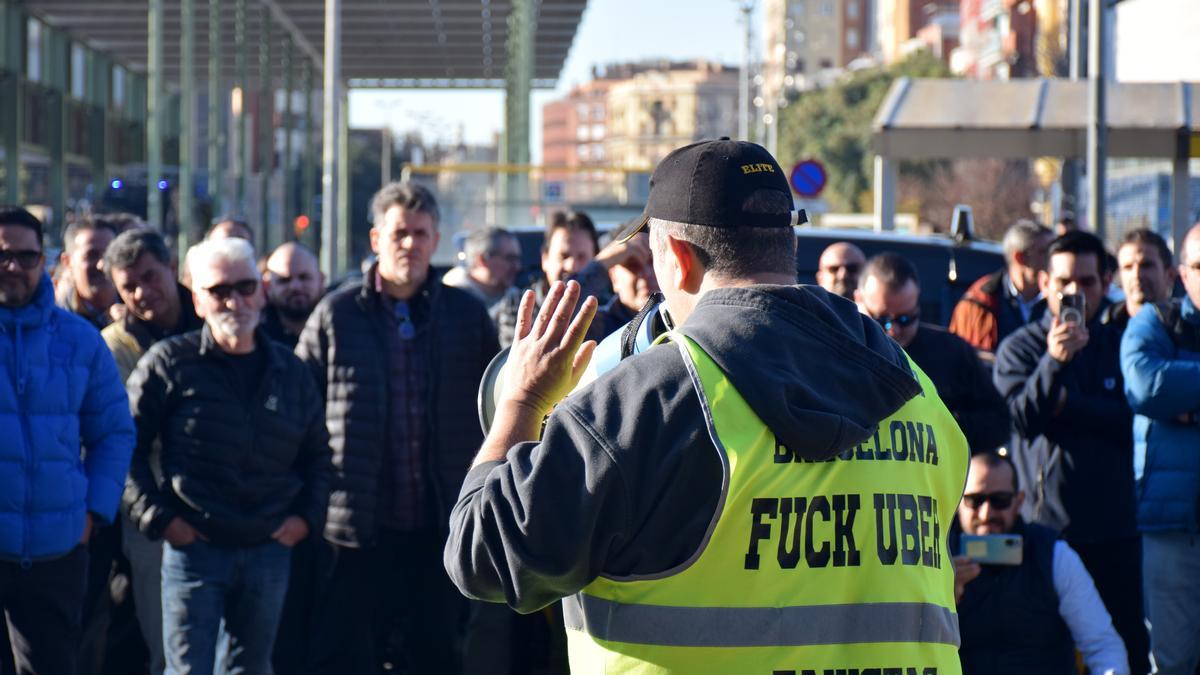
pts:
[245, 467]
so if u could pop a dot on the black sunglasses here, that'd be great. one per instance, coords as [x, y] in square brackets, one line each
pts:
[224, 292]
[27, 260]
[998, 500]
[899, 320]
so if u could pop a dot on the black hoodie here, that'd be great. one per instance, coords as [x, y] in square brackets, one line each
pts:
[625, 480]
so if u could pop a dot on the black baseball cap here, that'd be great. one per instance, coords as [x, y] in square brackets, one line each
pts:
[707, 183]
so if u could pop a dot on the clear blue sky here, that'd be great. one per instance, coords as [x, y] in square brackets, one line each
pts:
[611, 31]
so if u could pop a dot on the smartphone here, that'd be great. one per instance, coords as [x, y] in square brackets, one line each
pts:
[993, 549]
[1072, 308]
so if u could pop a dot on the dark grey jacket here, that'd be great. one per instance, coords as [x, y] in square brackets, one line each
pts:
[344, 344]
[233, 471]
[625, 480]
[1076, 464]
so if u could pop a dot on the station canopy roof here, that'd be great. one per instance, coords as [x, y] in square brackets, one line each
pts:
[932, 118]
[385, 43]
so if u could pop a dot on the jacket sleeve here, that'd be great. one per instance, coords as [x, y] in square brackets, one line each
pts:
[147, 386]
[971, 322]
[983, 416]
[1157, 384]
[538, 526]
[314, 462]
[1083, 611]
[1030, 381]
[313, 346]
[106, 431]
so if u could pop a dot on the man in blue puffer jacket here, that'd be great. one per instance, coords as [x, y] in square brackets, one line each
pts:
[65, 441]
[1160, 359]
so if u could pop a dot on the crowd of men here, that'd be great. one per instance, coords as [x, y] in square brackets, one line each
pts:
[214, 464]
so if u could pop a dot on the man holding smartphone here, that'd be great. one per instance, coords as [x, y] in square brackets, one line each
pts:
[1030, 616]
[1073, 444]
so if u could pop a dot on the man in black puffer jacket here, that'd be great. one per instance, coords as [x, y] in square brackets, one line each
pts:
[399, 360]
[243, 471]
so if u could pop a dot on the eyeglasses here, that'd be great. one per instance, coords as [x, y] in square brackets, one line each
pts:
[25, 259]
[223, 292]
[998, 500]
[887, 321]
[510, 258]
[851, 268]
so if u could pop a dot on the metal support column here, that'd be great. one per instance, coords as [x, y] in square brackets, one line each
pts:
[264, 134]
[1097, 132]
[285, 161]
[885, 194]
[11, 99]
[216, 95]
[99, 96]
[518, 81]
[308, 160]
[240, 98]
[747, 7]
[1181, 192]
[156, 106]
[329, 143]
[187, 123]
[345, 221]
[56, 113]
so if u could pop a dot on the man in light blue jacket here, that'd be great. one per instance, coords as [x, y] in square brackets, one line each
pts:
[65, 441]
[1160, 360]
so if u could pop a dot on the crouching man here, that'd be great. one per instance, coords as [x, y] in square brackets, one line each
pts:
[245, 467]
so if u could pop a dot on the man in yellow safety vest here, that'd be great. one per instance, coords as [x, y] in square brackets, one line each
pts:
[768, 493]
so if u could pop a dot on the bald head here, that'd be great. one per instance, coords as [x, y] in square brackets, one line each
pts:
[294, 281]
[839, 267]
[1189, 264]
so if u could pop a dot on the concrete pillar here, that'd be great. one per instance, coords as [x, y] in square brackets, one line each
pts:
[345, 220]
[238, 122]
[1097, 131]
[1181, 193]
[330, 147]
[216, 100]
[518, 81]
[56, 113]
[100, 97]
[187, 124]
[285, 163]
[156, 107]
[11, 99]
[308, 172]
[885, 194]
[265, 134]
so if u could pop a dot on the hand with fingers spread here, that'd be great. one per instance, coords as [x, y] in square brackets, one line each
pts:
[549, 354]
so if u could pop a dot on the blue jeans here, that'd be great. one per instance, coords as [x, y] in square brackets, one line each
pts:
[1172, 577]
[202, 584]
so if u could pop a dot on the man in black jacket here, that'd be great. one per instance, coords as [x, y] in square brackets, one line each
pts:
[399, 360]
[1073, 445]
[244, 467]
[889, 291]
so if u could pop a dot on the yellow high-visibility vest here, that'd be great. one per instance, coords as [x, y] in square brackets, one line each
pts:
[808, 568]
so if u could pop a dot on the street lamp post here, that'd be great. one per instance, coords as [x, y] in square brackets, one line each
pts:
[746, 7]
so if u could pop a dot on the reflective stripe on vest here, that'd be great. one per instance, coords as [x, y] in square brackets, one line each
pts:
[807, 566]
[753, 626]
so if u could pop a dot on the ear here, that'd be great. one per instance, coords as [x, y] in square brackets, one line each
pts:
[266, 280]
[858, 297]
[373, 234]
[198, 306]
[321, 276]
[1019, 500]
[64, 259]
[686, 272]
[1020, 258]
[1044, 282]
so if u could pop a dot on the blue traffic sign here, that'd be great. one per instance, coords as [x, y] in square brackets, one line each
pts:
[808, 178]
